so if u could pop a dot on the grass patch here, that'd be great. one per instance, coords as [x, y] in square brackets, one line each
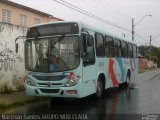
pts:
[19, 103]
[3, 106]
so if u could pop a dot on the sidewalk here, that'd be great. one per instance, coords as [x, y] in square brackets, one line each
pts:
[19, 98]
[149, 74]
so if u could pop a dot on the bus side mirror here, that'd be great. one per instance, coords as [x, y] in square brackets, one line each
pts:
[16, 44]
[16, 47]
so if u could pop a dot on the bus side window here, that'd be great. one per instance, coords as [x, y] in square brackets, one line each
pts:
[100, 49]
[134, 51]
[124, 49]
[117, 47]
[130, 50]
[88, 46]
[109, 46]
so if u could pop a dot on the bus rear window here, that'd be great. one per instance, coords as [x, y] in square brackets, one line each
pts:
[53, 29]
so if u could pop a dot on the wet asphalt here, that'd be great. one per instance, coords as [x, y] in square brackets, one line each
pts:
[117, 103]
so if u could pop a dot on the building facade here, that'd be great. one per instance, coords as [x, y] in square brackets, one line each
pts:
[20, 15]
[14, 21]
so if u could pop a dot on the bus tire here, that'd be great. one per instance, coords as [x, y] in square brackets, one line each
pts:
[100, 88]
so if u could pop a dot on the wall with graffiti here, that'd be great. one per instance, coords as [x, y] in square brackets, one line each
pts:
[12, 70]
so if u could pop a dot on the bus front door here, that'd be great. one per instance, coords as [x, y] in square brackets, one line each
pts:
[88, 65]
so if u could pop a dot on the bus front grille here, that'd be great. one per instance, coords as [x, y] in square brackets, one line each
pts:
[54, 84]
[49, 90]
[50, 78]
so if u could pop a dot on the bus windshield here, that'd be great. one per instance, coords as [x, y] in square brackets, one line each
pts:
[54, 54]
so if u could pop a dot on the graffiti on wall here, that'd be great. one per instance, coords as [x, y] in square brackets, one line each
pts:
[8, 59]
[2, 25]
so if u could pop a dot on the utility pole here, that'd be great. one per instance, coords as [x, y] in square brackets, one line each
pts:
[135, 24]
[150, 45]
[145, 48]
[132, 29]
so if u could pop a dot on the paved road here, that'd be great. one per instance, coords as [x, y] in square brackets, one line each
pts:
[124, 103]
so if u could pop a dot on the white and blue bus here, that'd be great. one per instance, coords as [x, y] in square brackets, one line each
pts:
[73, 59]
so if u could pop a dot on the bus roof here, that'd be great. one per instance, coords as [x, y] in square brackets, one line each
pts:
[92, 28]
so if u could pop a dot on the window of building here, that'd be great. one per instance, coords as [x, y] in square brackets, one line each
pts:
[117, 47]
[109, 46]
[23, 20]
[6, 16]
[37, 21]
[100, 52]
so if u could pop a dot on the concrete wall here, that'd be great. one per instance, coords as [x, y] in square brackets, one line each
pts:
[12, 70]
[144, 64]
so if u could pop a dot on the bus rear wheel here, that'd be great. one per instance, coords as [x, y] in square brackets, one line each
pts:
[100, 88]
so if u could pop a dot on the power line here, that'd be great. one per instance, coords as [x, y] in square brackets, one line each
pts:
[155, 36]
[117, 10]
[66, 4]
[141, 37]
[93, 6]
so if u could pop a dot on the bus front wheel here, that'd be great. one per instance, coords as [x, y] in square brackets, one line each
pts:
[100, 88]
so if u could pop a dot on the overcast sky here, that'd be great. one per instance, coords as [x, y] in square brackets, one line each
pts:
[119, 12]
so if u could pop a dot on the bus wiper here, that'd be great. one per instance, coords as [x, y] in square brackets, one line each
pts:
[61, 37]
[55, 42]
[58, 40]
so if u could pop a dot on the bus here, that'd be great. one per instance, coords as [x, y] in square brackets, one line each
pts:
[72, 59]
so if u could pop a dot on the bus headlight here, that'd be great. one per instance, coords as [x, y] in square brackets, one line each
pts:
[30, 82]
[72, 82]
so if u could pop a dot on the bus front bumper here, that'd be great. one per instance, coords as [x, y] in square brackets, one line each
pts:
[68, 92]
